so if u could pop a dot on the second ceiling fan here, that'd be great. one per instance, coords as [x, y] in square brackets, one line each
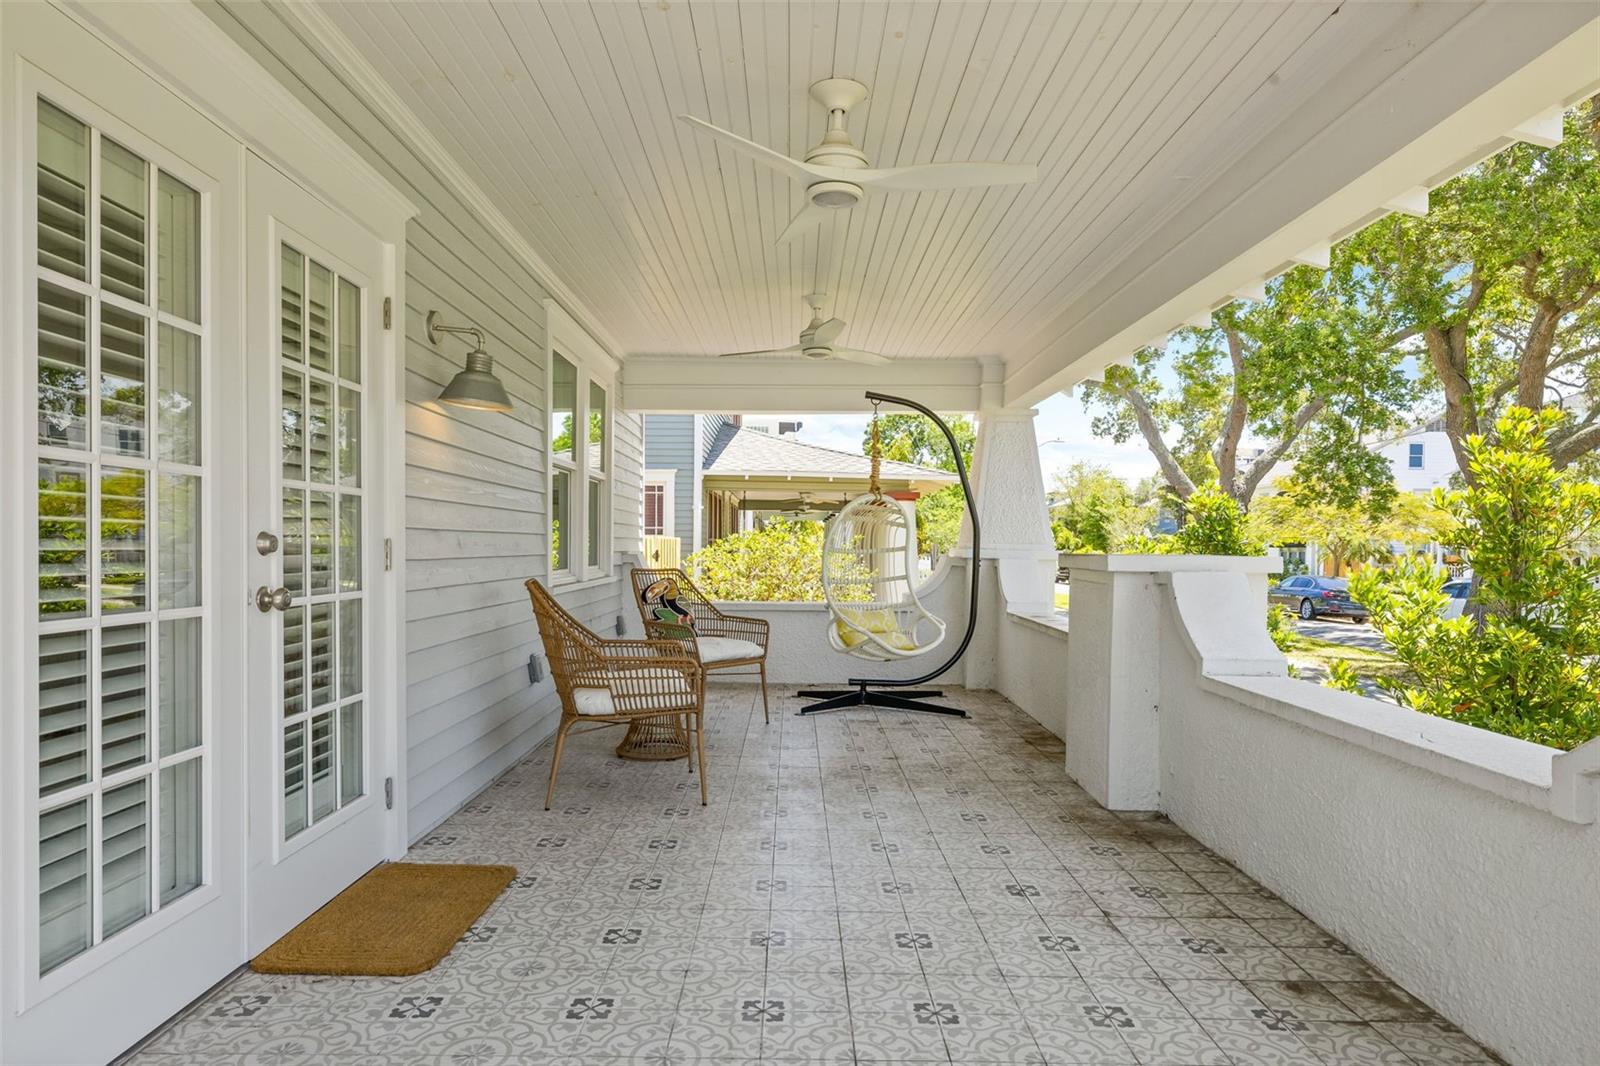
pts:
[816, 340]
[836, 174]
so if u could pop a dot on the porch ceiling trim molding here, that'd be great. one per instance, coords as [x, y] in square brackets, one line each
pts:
[692, 384]
[1407, 116]
[322, 33]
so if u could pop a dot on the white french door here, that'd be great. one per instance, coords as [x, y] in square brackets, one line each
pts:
[317, 410]
[124, 820]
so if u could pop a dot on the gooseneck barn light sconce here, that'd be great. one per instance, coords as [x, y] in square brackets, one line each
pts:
[476, 386]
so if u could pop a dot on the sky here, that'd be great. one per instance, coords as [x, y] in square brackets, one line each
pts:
[1061, 428]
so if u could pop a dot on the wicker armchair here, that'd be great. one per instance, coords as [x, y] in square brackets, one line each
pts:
[618, 682]
[720, 641]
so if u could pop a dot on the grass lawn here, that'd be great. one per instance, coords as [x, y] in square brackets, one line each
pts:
[1311, 651]
[1061, 601]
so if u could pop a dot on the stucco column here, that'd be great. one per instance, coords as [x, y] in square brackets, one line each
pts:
[1115, 657]
[1009, 486]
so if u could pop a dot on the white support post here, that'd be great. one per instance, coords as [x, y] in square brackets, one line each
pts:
[1008, 484]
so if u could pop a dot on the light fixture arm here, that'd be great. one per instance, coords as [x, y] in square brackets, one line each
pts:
[435, 327]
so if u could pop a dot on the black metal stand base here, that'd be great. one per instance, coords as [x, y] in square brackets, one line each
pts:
[861, 696]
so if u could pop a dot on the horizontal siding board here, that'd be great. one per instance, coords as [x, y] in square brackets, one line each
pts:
[475, 481]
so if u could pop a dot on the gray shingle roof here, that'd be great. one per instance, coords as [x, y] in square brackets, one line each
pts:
[745, 452]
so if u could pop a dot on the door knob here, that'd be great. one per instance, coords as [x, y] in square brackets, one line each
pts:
[273, 599]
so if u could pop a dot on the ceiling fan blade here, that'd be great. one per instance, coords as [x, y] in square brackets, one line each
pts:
[933, 176]
[809, 216]
[827, 332]
[856, 355]
[759, 152]
[793, 349]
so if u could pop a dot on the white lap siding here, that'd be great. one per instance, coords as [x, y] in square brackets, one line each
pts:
[475, 481]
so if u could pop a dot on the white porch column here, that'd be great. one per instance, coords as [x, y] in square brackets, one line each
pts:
[1009, 488]
[1115, 664]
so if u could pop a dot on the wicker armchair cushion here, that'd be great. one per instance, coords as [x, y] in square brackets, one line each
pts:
[721, 649]
[669, 690]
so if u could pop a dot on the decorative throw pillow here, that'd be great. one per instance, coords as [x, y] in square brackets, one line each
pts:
[661, 603]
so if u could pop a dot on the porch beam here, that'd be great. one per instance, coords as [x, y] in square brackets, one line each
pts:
[696, 384]
[1324, 173]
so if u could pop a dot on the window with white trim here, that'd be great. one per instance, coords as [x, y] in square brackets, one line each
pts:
[579, 469]
[1415, 456]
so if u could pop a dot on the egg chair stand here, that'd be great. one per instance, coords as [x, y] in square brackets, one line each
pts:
[907, 695]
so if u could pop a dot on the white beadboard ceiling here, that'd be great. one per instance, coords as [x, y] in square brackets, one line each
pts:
[565, 115]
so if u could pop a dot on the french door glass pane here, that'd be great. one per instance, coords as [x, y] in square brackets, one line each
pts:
[124, 697]
[293, 547]
[592, 533]
[319, 318]
[63, 711]
[563, 406]
[294, 445]
[319, 431]
[349, 648]
[65, 913]
[181, 661]
[178, 248]
[63, 368]
[349, 543]
[63, 540]
[123, 366]
[294, 661]
[291, 300]
[124, 855]
[178, 395]
[319, 530]
[123, 540]
[349, 437]
[181, 841]
[178, 532]
[322, 677]
[350, 752]
[124, 205]
[560, 508]
[63, 192]
[294, 779]
[349, 331]
[324, 793]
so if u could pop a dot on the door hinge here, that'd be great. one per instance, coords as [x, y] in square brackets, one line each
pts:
[388, 793]
[388, 553]
[388, 312]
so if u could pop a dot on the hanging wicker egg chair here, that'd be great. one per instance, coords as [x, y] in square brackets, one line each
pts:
[869, 577]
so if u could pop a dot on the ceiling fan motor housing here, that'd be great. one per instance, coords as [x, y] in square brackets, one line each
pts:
[834, 194]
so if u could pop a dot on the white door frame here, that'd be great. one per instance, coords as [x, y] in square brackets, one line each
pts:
[179, 48]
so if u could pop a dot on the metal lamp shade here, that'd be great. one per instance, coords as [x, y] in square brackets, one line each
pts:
[476, 386]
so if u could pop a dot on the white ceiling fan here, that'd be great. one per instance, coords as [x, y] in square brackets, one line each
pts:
[816, 340]
[836, 174]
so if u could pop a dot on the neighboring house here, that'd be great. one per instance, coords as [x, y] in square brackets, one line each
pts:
[1421, 457]
[707, 476]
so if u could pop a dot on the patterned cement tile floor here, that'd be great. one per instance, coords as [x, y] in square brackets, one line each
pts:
[863, 888]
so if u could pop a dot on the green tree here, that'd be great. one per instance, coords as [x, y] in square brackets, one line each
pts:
[779, 561]
[1214, 523]
[1501, 281]
[1310, 370]
[1094, 510]
[913, 438]
[1532, 668]
[1361, 532]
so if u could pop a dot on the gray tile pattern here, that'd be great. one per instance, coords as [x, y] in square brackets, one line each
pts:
[863, 888]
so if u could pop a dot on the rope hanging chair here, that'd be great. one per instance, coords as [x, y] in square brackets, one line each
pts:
[869, 576]
[869, 570]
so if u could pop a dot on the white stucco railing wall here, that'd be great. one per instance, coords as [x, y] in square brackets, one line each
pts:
[798, 652]
[1462, 863]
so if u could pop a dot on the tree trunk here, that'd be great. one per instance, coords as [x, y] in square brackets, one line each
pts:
[1447, 349]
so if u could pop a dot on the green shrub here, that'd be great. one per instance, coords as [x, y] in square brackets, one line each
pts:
[781, 561]
[1531, 667]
